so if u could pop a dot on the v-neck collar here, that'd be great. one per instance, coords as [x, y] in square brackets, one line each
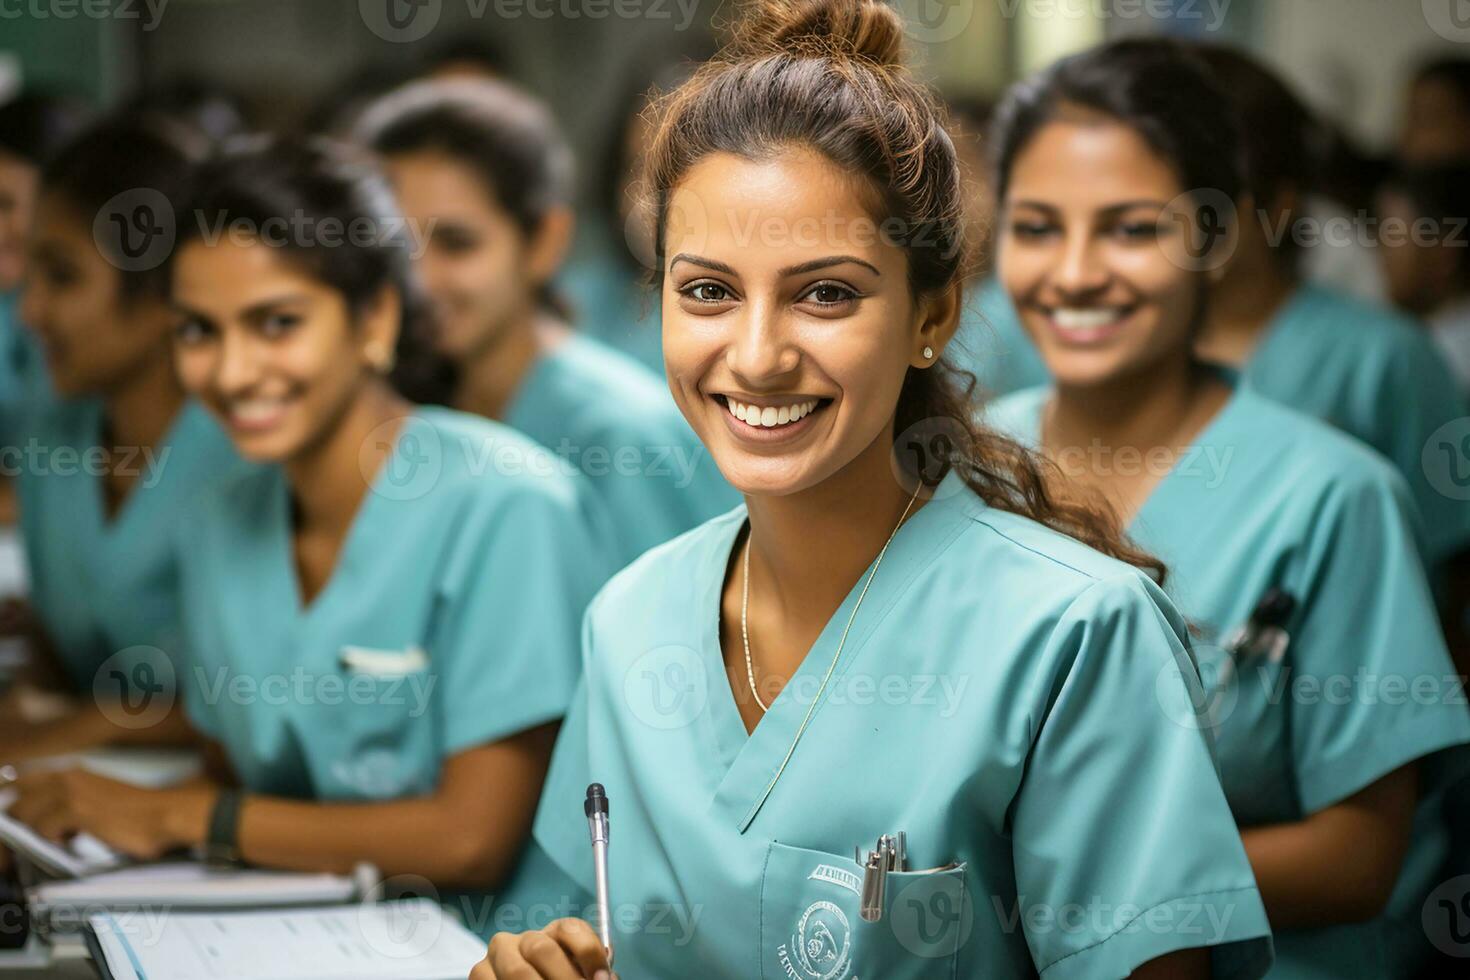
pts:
[752, 761]
[1212, 434]
[116, 525]
[1209, 435]
[366, 514]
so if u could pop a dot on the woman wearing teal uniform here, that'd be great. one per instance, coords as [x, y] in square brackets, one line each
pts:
[102, 471]
[32, 129]
[863, 649]
[1366, 370]
[484, 177]
[1290, 546]
[383, 622]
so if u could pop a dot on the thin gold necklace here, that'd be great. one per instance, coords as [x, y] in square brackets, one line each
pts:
[745, 604]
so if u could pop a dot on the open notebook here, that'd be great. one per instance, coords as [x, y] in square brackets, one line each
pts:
[411, 940]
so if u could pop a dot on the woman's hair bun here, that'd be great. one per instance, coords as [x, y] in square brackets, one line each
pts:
[868, 29]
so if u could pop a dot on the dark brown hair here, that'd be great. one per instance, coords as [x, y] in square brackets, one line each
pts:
[828, 75]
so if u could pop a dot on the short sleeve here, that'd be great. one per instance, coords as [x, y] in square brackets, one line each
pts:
[1418, 397]
[1125, 849]
[1373, 686]
[507, 649]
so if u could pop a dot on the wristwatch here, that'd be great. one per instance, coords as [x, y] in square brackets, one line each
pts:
[222, 846]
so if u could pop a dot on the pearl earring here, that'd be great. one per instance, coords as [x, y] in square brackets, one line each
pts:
[928, 353]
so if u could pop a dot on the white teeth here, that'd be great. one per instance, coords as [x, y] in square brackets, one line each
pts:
[769, 417]
[1085, 319]
[255, 411]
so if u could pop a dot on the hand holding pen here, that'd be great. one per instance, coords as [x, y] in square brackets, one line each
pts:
[568, 949]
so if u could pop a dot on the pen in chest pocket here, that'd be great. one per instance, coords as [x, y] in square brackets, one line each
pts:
[1263, 635]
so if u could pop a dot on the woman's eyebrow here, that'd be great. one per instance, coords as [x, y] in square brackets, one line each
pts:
[815, 264]
[700, 260]
[794, 270]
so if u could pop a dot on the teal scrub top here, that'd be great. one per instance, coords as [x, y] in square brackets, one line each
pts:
[1377, 376]
[1018, 704]
[993, 345]
[24, 385]
[1268, 498]
[101, 585]
[615, 423]
[451, 619]
[608, 299]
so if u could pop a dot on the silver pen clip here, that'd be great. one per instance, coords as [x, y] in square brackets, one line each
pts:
[888, 856]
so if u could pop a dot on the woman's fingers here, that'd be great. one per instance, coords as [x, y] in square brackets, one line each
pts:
[581, 943]
[549, 959]
[568, 949]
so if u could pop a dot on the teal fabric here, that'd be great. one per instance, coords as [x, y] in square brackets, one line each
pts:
[462, 587]
[610, 303]
[1007, 697]
[101, 585]
[1377, 376]
[615, 423]
[992, 345]
[1269, 498]
[468, 586]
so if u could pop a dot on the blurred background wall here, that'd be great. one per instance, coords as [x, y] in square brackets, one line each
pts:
[289, 61]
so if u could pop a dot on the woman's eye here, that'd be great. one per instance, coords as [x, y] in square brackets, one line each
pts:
[279, 324]
[457, 243]
[830, 294]
[1137, 231]
[191, 331]
[706, 292]
[1030, 230]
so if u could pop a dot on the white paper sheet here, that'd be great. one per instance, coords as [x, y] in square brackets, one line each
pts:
[413, 940]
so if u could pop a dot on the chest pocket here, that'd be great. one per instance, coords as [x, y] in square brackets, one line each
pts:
[811, 928]
[1250, 717]
[377, 737]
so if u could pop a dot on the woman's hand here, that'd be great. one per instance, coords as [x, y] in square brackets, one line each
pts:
[568, 949]
[142, 823]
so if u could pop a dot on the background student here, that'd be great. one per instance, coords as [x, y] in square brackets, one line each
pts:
[481, 170]
[382, 616]
[1338, 797]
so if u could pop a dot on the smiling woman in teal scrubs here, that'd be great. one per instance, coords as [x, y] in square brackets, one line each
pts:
[102, 471]
[484, 178]
[383, 622]
[1333, 709]
[856, 651]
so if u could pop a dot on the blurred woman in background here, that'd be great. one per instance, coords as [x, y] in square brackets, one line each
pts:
[105, 469]
[382, 617]
[483, 175]
[1290, 546]
[32, 129]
